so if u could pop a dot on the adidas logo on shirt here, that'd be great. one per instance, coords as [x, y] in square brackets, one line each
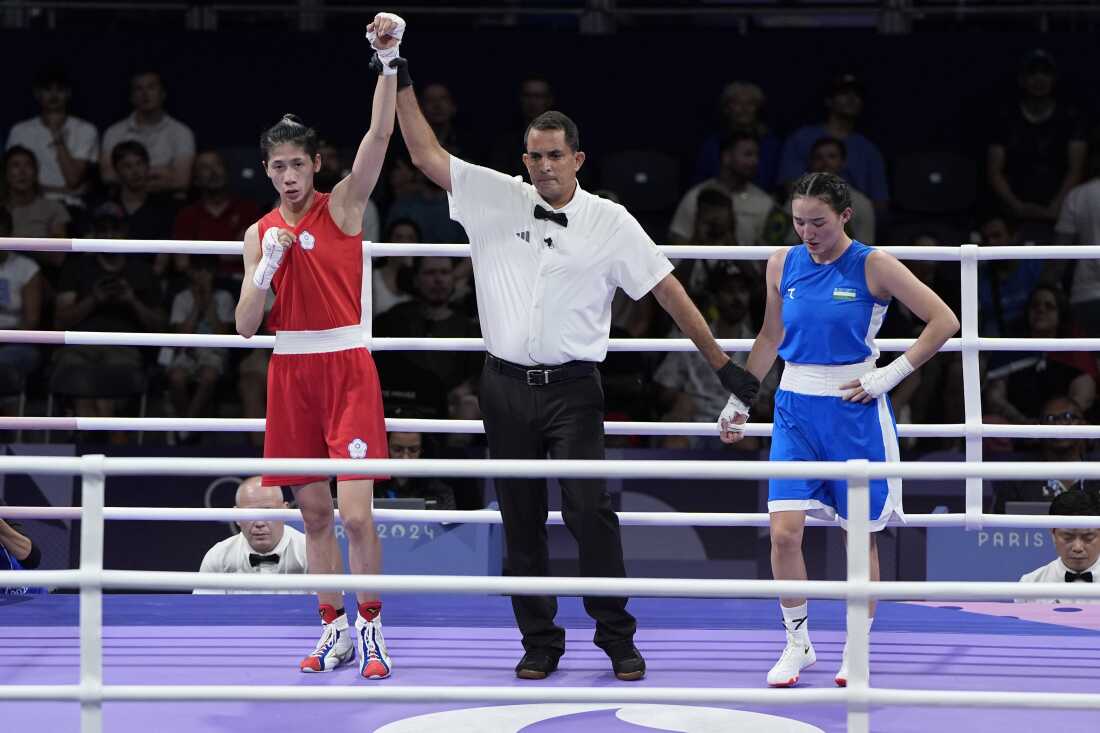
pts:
[525, 236]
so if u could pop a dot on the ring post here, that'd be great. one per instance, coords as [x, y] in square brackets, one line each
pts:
[91, 594]
[859, 573]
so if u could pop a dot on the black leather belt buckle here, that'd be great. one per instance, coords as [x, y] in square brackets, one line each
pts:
[538, 377]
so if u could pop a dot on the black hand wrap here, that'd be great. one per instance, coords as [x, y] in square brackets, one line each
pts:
[739, 382]
[402, 66]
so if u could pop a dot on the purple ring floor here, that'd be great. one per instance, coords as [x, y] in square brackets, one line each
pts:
[466, 640]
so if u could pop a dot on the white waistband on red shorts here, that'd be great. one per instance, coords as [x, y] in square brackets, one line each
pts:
[319, 342]
[822, 380]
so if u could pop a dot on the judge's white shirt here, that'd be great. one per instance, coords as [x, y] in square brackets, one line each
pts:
[1055, 572]
[543, 290]
[231, 556]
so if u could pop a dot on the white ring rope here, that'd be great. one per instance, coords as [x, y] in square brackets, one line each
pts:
[472, 427]
[91, 578]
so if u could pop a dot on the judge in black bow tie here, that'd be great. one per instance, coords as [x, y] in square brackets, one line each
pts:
[262, 546]
[1078, 548]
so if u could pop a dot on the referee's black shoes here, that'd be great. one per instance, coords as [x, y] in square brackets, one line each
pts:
[537, 664]
[627, 662]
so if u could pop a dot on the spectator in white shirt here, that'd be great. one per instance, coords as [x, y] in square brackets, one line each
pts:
[170, 143]
[66, 147]
[261, 546]
[20, 308]
[1078, 550]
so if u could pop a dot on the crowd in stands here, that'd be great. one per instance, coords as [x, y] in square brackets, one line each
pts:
[149, 177]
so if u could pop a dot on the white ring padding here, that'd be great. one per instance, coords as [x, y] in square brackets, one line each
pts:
[490, 516]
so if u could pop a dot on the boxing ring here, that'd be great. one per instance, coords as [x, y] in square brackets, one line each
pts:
[227, 662]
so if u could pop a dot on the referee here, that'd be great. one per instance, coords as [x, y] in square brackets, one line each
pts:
[547, 259]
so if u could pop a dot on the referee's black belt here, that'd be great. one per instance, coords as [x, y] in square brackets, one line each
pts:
[541, 375]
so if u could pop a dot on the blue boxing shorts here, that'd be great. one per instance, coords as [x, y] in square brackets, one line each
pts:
[813, 423]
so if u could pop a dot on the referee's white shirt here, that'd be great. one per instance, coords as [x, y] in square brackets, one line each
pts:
[543, 302]
[231, 556]
[1055, 572]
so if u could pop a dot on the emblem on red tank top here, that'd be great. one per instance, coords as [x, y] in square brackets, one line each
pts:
[357, 448]
[307, 240]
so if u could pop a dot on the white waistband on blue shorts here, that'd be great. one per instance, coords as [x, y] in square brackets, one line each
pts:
[821, 380]
[319, 342]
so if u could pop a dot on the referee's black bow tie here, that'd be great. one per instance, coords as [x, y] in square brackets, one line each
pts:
[255, 559]
[1072, 576]
[554, 216]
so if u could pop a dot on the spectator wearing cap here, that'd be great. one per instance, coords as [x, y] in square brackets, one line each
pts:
[739, 109]
[66, 147]
[865, 168]
[1037, 150]
[1078, 549]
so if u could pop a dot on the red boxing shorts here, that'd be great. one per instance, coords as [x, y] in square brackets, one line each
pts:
[326, 405]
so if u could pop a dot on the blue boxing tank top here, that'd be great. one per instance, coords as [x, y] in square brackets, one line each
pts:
[829, 315]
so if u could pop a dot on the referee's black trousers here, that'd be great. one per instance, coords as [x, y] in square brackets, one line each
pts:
[561, 420]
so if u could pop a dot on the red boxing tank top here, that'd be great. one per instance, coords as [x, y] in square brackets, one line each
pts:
[319, 284]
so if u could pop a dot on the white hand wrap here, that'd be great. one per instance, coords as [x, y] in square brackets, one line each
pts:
[733, 408]
[878, 382]
[273, 252]
[386, 55]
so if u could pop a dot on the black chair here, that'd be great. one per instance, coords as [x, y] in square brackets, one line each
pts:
[935, 182]
[645, 181]
[245, 171]
[84, 382]
[13, 383]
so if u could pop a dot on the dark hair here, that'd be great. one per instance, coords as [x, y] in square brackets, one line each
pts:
[822, 142]
[15, 150]
[828, 187]
[1010, 222]
[290, 130]
[729, 141]
[1075, 503]
[1061, 303]
[554, 120]
[129, 147]
[714, 198]
[50, 74]
[402, 221]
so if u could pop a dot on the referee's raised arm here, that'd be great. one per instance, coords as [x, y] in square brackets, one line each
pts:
[424, 149]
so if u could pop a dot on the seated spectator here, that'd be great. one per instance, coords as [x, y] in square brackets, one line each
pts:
[169, 142]
[67, 147]
[105, 292]
[739, 112]
[829, 155]
[418, 199]
[193, 373]
[261, 547]
[20, 305]
[1018, 383]
[1056, 411]
[32, 214]
[715, 225]
[17, 552]
[1079, 223]
[739, 160]
[1078, 550]
[441, 112]
[865, 169]
[390, 276]
[689, 389]
[1004, 286]
[436, 493]
[506, 152]
[426, 377]
[148, 215]
[332, 172]
[1037, 150]
[217, 214]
